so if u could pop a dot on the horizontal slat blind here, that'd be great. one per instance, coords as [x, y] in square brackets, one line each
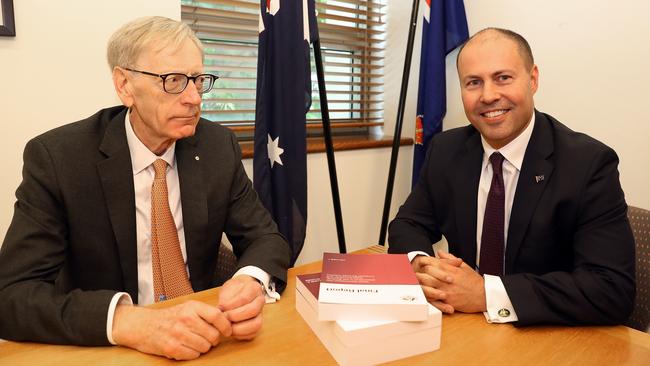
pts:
[352, 42]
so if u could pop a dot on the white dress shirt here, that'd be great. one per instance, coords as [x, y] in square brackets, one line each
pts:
[499, 306]
[143, 174]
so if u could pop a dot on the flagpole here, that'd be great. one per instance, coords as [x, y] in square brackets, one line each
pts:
[327, 134]
[398, 124]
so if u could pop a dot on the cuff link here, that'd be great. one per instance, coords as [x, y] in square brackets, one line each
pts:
[504, 313]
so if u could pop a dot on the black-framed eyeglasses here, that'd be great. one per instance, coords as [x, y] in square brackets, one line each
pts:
[175, 82]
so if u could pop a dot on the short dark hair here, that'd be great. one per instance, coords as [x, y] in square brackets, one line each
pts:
[524, 48]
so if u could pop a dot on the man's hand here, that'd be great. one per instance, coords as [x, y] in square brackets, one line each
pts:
[466, 290]
[181, 332]
[432, 273]
[241, 298]
[449, 284]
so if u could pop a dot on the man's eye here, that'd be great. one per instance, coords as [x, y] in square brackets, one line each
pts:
[472, 83]
[504, 77]
[173, 78]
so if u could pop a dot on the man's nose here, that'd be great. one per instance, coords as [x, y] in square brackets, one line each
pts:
[490, 93]
[191, 94]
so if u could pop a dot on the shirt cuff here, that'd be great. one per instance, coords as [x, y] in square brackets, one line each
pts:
[499, 307]
[120, 298]
[415, 253]
[271, 295]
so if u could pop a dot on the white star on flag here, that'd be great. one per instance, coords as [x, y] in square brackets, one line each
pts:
[274, 150]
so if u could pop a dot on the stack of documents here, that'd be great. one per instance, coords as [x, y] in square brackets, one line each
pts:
[367, 333]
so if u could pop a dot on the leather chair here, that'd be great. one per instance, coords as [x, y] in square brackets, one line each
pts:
[640, 222]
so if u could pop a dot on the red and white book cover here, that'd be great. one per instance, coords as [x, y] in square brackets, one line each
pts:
[369, 287]
[308, 285]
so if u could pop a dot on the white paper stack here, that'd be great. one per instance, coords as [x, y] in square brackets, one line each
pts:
[366, 342]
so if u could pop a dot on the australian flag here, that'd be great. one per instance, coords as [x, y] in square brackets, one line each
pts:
[444, 29]
[286, 28]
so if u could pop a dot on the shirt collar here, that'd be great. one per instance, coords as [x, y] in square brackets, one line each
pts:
[141, 156]
[515, 150]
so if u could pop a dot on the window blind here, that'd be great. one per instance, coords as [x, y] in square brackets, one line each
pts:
[352, 34]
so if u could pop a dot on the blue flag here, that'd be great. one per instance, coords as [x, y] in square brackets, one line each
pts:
[444, 29]
[282, 101]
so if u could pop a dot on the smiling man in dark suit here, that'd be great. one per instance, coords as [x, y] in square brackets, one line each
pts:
[129, 206]
[533, 212]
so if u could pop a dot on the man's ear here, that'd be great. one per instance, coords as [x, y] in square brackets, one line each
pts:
[534, 79]
[123, 86]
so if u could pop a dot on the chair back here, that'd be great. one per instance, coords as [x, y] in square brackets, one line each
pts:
[640, 223]
[226, 264]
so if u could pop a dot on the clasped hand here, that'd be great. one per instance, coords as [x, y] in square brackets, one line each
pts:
[187, 330]
[450, 284]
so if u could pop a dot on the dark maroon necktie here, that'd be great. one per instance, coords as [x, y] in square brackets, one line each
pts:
[492, 246]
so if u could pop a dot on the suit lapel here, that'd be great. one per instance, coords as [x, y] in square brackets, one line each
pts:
[117, 181]
[466, 178]
[536, 171]
[194, 203]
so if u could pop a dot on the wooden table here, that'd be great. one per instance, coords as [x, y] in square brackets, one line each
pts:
[287, 340]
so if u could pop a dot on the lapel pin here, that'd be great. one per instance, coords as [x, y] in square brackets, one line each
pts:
[196, 158]
[539, 178]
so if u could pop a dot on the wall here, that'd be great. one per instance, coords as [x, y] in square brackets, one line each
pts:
[593, 58]
[362, 176]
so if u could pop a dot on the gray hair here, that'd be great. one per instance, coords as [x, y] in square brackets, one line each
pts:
[128, 42]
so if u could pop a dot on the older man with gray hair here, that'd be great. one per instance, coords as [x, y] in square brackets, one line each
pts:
[129, 206]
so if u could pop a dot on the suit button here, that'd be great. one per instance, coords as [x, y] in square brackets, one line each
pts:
[504, 313]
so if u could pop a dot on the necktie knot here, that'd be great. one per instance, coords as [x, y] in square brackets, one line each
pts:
[160, 167]
[496, 159]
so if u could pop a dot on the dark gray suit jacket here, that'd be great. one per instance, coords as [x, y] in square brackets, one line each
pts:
[570, 252]
[72, 242]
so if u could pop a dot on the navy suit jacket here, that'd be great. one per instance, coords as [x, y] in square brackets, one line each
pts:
[570, 252]
[72, 242]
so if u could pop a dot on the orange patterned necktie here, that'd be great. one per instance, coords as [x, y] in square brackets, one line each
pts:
[169, 275]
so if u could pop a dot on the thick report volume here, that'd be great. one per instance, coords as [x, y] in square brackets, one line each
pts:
[366, 342]
[370, 287]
